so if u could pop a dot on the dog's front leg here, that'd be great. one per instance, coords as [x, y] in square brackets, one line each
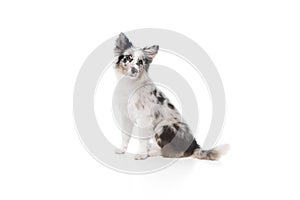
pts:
[144, 135]
[144, 148]
[126, 131]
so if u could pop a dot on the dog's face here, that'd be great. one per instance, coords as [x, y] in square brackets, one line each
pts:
[132, 61]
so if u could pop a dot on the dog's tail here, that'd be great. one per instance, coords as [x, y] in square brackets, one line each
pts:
[212, 154]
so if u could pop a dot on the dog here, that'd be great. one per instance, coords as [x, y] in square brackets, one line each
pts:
[144, 106]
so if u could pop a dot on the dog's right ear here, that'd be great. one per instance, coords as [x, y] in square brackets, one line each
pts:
[122, 43]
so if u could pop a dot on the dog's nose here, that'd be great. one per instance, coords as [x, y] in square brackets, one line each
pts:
[134, 70]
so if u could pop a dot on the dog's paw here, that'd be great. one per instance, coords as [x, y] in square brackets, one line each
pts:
[119, 151]
[141, 156]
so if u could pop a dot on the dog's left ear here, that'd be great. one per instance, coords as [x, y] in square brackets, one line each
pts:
[150, 52]
[122, 43]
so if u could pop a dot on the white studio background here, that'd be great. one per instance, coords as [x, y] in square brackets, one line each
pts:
[255, 46]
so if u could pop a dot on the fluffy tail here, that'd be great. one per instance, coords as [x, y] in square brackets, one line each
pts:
[212, 154]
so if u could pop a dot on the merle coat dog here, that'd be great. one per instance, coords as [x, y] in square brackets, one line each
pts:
[144, 105]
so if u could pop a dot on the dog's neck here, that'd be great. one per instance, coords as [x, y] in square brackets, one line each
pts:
[143, 79]
[128, 85]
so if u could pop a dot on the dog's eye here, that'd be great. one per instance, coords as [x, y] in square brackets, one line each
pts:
[140, 62]
[127, 58]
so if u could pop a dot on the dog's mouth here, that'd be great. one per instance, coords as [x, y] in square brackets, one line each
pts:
[133, 75]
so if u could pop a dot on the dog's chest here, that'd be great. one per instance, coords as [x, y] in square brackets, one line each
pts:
[135, 99]
[140, 107]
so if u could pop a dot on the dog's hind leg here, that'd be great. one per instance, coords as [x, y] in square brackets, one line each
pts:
[155, 150]
[169, 151]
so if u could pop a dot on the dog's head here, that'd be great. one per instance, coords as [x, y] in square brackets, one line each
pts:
[132, 61]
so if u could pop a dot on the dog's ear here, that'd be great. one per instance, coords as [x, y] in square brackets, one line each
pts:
[122, 43]
[150, 52]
